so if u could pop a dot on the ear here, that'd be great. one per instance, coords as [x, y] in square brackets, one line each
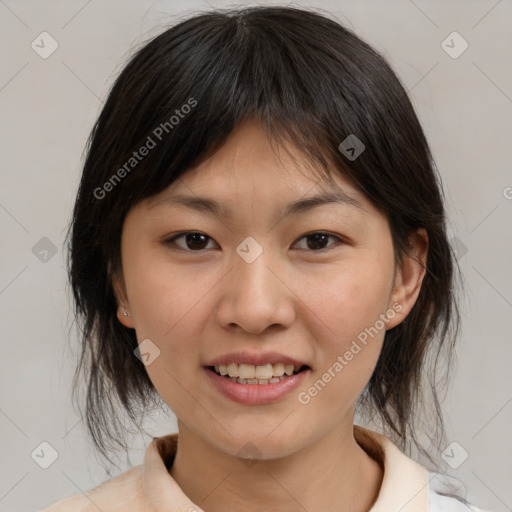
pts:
[409, 276]
[124, 314]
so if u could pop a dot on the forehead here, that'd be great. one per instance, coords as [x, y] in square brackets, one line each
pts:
[249, 166]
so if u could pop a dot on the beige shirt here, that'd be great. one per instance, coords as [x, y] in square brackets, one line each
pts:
[406, 487]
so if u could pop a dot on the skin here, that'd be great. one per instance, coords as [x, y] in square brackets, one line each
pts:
[199, 301]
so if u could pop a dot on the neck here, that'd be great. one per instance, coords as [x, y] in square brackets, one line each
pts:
[333, 473]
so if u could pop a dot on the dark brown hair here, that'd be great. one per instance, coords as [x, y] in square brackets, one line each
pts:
[311, 82]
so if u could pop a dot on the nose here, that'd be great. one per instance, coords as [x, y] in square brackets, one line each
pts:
[256, 296]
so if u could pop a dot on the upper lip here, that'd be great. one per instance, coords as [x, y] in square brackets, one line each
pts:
[258, 359]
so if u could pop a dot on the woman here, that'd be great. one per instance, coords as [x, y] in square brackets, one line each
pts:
[259, 241]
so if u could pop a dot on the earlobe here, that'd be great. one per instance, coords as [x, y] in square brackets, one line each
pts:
[123, 310]
[124, 317]
[409, 276]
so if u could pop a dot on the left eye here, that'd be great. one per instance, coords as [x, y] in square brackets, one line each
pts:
[195, 241]
[319, 238]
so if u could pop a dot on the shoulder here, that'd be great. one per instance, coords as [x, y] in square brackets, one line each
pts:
[446, 494]
[122, 492]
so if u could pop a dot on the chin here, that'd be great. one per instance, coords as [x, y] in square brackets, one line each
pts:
[255, 439]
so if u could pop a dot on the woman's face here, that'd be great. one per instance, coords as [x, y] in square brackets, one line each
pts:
[269, 280]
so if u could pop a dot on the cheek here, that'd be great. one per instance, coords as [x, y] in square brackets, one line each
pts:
[170, 307]
[349, 329]
[351, 299]
[165, 303]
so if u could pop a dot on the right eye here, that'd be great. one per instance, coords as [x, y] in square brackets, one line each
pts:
[193, 241]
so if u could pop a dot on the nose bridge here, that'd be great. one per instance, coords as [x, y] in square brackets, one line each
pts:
[255, 297]
[252, 273]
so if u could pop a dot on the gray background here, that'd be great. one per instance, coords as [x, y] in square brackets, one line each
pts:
[48, 107]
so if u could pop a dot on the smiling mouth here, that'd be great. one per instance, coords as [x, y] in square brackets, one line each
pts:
[262, 374]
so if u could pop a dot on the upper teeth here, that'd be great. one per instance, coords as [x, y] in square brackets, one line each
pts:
[249, 371]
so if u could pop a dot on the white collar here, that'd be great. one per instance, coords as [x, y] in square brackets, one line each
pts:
[405, 485]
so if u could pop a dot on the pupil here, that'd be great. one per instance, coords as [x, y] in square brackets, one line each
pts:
[191, 237]
[317, 238]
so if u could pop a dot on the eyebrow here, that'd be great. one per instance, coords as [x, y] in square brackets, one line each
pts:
[207, 205]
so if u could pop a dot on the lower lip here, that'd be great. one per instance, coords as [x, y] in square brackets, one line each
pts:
[256, 394]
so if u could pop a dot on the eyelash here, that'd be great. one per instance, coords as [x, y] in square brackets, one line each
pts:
[171, 241]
